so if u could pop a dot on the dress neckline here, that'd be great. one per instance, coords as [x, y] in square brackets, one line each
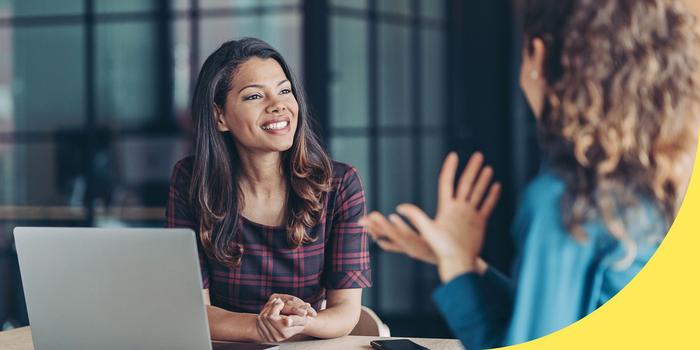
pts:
[268, 227]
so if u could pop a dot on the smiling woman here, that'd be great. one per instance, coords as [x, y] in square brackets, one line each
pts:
[276, 219]
[262, 104]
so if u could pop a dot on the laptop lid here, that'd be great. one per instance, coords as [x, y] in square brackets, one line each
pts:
[90, 288]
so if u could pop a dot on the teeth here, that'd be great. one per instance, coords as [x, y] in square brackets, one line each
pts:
[276, 126]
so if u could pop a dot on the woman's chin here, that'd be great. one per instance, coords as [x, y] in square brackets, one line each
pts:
[282, 146]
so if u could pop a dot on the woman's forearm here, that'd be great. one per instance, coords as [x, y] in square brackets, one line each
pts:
[336, 321]
[232, 326]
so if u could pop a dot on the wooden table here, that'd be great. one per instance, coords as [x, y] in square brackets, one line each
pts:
[21, 339]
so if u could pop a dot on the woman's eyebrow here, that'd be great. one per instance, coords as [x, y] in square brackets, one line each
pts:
[260, 86]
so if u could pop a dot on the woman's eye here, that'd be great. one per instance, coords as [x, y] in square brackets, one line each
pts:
[285, 91]
[252, 97]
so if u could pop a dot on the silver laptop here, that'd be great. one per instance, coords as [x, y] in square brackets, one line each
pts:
[89, 288]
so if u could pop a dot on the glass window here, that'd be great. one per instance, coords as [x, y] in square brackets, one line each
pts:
[281, 30]
[139, 190]
[396, 161]
[180, 5]
[397, 7]
[149, 159]
[432, 9]
[433, 78]
[356, 4]
[395, 75]
[21, 8]
[127, 74]
[244, 3]
[49, 78]
[6, 78]
[396, 273]
[111, 6]
[38, 185]
[354, 151]
[145, 165]
[227, 3]
[433, 153]
[182, 67]
[61, 181]
[349, 73]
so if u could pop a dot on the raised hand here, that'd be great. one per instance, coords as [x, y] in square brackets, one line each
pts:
[456, 235]
[454, 238]
[394, 235]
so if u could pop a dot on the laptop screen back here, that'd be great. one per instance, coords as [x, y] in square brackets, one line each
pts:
[89, 288]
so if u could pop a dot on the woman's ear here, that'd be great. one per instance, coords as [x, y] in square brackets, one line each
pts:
[220, 120]
[532, 79]
[537, 54]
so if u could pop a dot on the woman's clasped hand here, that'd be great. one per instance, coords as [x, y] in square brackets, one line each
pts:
[283, 317]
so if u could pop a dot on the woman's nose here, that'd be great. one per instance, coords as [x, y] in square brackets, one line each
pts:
[276, 107]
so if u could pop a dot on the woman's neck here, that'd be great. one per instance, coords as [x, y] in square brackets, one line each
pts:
[262, 175]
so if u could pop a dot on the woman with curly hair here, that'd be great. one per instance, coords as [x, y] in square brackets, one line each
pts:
[613, 86]
[276, 219]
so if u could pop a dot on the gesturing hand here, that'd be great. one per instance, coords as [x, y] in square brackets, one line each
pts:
[457, 232]
[454, 238]
[394, 235]
[283, 317]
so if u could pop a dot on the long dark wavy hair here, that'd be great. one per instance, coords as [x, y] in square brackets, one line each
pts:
[620, 117]
[215, 192]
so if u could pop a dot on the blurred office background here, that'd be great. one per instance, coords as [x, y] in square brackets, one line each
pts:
[94, 98]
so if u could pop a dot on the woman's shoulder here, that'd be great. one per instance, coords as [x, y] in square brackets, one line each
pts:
[545, 188]
[343, 171]
[541, 204]
[185, 164]
[538, 207]
[182, 170]
[346, 178]
[340, 168]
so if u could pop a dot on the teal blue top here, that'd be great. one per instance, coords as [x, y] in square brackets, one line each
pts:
[556, 279]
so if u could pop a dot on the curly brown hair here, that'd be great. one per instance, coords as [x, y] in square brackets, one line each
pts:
[620, 116]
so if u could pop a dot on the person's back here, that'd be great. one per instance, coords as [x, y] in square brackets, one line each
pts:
[617, 121]
[559, 279]
[613, 85]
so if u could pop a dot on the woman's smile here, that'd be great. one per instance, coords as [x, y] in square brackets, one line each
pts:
[277, 126]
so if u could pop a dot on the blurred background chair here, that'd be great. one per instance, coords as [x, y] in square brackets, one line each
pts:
[370, 325]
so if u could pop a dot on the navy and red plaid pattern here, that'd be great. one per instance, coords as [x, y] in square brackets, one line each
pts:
[337, 259]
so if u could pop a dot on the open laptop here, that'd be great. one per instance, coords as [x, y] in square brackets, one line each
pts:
[90, 288]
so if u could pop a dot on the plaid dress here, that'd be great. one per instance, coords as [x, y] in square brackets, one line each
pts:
[337, 259]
